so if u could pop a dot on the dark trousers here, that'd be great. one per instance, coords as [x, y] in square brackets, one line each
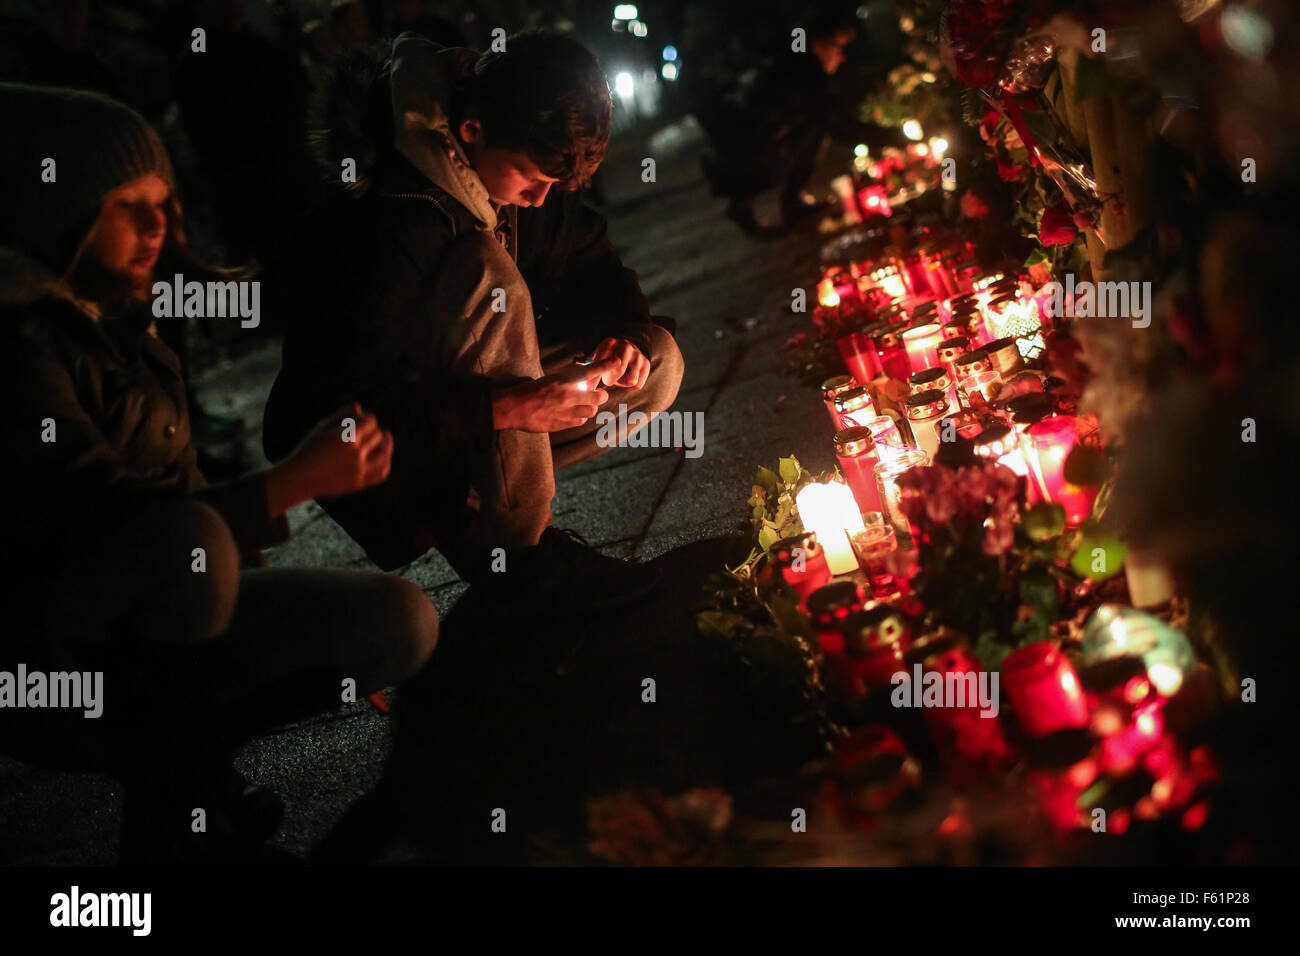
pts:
[194, 661]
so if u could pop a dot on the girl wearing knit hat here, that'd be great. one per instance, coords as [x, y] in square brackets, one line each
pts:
[131, 564]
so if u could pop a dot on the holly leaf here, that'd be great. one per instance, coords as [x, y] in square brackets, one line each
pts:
[1036, 257]
[723, 624]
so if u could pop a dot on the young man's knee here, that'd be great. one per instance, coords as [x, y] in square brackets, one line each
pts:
[666, 370]
[409, 623]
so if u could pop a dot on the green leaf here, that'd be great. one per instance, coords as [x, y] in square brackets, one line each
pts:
[790, 469]
[1036, 257]
[1098, 558]
[767, 478]
[1086, 466]
[1044, 520]
[766, 538]
[1038, 590]
[720, 624]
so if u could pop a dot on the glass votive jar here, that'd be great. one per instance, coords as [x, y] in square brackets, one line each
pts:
[875, 642]
[893, 356]
[922, 345]
[884, 432]
[860, 357]
[855, 450]
[829, 606]
[970, 363]
[887, 473]
[876, 548]
[938, 378]
[854, 406]
[999, 442]
[802, 563]
[1044, 690]
[985, 384]
[1047, 446]
[1004, 356]
[924, 412]
[832, 388]
[951, 350]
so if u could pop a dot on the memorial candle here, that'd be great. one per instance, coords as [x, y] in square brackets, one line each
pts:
[832, 389]
[924, 412]
[860, 357]
[829, 607]
[830, 511]
[802, 563]
[922, 345]
[887, 473]
[855, 450]
[1043, 689]
[1051, 441]
[854, 407]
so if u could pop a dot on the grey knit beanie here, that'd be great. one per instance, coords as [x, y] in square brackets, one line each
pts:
[96, 143]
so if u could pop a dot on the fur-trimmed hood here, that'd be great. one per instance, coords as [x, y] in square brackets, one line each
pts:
[24, 281]
[415, 81]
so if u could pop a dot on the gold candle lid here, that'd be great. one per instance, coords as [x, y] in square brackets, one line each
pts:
[850, 442]
[928, 404]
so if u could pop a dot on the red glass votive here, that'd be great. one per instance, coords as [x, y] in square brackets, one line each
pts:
[829, 607]
[876, 548]
[802, 563]
[875, 642]
[1043, 689]
[1049, 443]
[1124, 711]
[860, 357]
[854, 407]
[922, 344]
[1061, 767]
[893, 357]
[832, 389]
[855, 450]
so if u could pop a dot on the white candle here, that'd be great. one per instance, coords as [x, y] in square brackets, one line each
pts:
[830, 511]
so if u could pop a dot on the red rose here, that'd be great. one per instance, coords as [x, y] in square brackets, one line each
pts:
[972, 206]
[1007, 171]
[1057, 228]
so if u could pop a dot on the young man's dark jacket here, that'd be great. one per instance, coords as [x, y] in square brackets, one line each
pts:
[359, 322]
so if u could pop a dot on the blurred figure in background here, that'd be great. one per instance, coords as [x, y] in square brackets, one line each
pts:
[767, 128]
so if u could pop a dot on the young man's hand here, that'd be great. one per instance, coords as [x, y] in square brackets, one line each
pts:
[554, 402]
[634, 367]
[333, 459]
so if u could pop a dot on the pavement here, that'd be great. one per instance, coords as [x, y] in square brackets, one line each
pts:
[731, 297]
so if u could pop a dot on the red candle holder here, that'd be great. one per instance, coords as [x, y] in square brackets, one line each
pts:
[855, 450]
[922, 345]
[893, 356]
[1044, 690]
[860, 357]
[832, 389]
[875, 642]
[829, 607]
[802, 563]
[854, 407]
[1049, 444]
